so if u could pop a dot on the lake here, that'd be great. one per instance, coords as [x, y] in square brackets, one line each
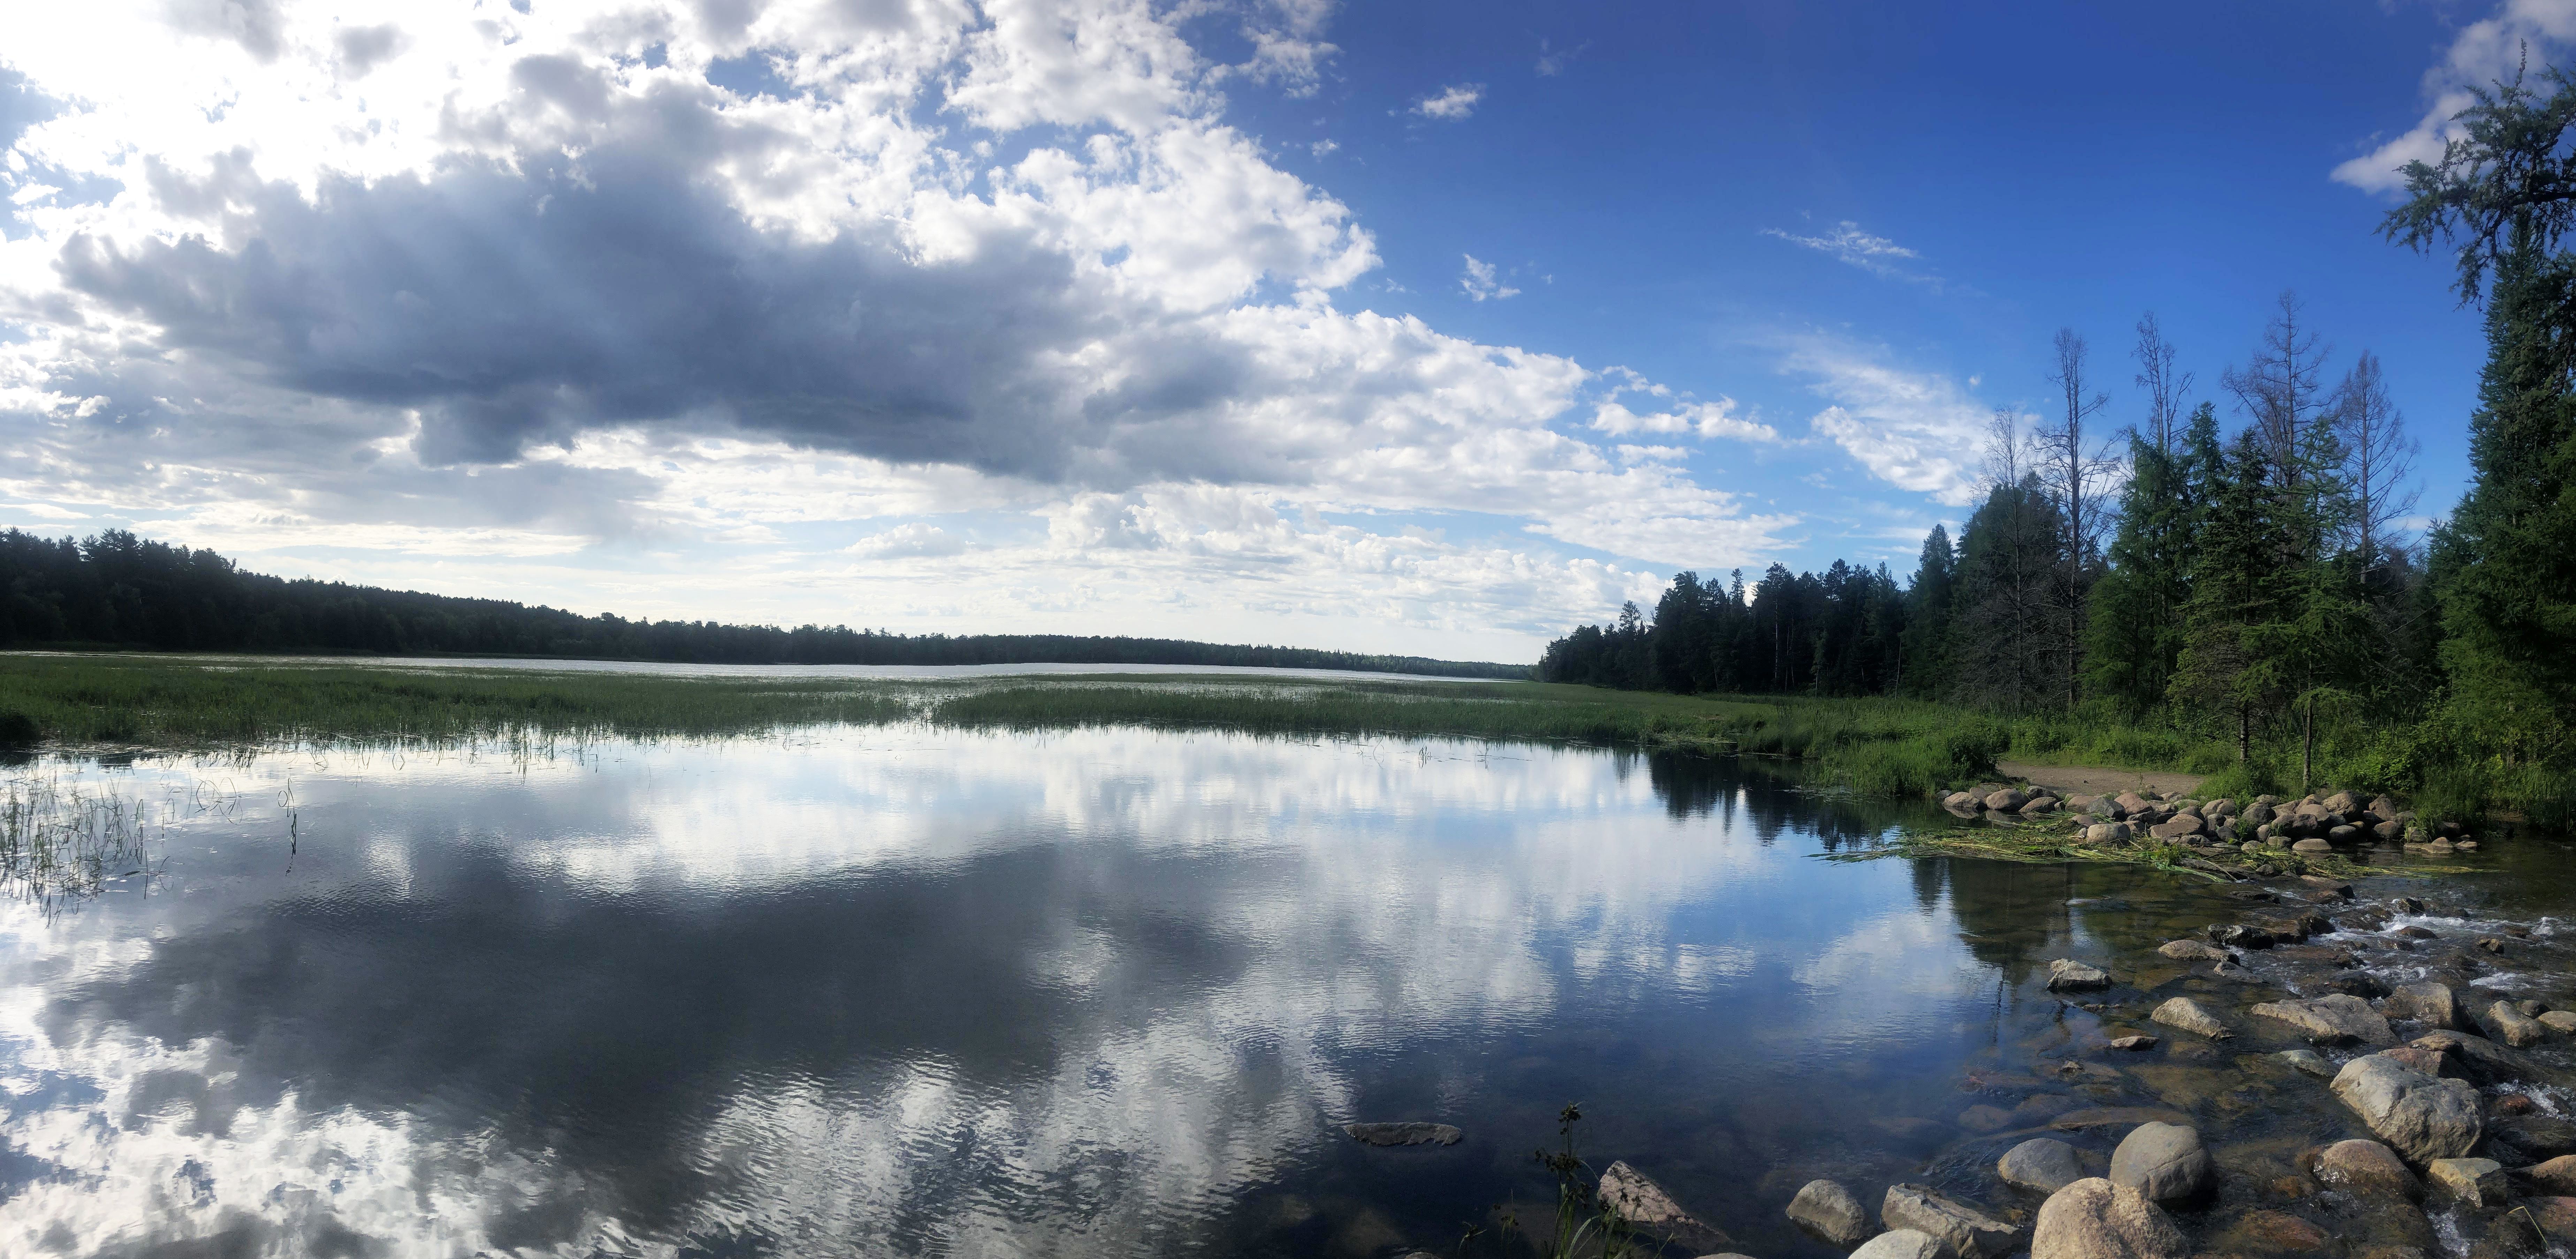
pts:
[905, 990]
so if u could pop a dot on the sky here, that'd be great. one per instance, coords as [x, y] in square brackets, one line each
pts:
[1417, 327]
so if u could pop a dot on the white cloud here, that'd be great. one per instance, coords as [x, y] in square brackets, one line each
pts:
[1914, 430]
[1551, 60]
[1707, 419]
[908, 541]
[2482, 54]
[1848, 243]
[1323, 148]
[1481, 282]
[1451, 103]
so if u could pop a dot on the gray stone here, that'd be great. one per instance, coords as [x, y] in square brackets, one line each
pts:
[2041, 1163]
[2166, 1162]
[2180, 826]
[2039, 805]
[1831, 1212]
[1959, 800]
[2185, 1013]
[2505, 1023]
[2312, 845]
[2562, 1022]
[2367, 1169]
[2334, 1019]
[2006, 800]
[1403, 1133]
[2101, 833]
[2308, 1061]
[1968, 1232]
[1643, 1202]
[2481, 1060]
[2422, 1117]
[2478, 1182]
[2069, 975]
[1903, 1243]
[2431, 1004]
[2095, 1219]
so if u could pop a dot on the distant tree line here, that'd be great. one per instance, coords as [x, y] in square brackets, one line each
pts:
[115, 589]
[2252, 580]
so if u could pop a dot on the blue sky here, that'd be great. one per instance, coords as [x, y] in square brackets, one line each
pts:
[1423, 327]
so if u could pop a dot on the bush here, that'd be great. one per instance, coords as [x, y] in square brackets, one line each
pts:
[18, 730]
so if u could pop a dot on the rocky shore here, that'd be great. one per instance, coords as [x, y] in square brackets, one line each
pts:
[2313, 1071]
[2262, 837]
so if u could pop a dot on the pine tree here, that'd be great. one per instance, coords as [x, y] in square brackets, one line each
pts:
[2222, 669]
[1925, 645]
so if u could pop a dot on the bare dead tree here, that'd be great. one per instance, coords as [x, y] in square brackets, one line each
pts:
[2079, 470]
[2378, 462]
[2165, 384]
[2278, 388]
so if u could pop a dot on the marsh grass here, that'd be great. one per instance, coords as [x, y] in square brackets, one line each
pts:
[60, 843]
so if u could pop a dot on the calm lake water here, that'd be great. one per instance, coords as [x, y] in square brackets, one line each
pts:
[908, 991]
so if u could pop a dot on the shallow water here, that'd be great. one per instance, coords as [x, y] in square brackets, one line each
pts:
[895, 990]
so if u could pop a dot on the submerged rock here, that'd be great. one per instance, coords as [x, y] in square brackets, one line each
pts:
[2367, 1169]
[1390, 1134]
[1644, 1202]
[2194, 951]
[2422, 1117]
[1967, 1231]
[2045, 1164]
[2557, 1176]
[2187, 1014]
[2095, 1219]
[2069, 975]
[2331, 1020]
[2539, 1137]
[1829, 1211]
[2166, 1162]
[2308, 1061]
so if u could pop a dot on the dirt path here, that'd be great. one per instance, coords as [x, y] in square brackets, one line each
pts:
[2097, 780]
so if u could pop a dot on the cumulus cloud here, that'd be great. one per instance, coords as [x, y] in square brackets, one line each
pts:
[1847, 243]
[556, 286]
[1481, 282]
[1451, 103]
[2482, 54]
[1918, 431]
[1706, 419]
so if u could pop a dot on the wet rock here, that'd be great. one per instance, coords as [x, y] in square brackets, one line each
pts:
[2511, 1104]
[2429, 1061]
[2539, 1137]
[2334, 887]
[2431, 1004]
[2308, 1061]
[2342, 834]
[2331, 1020]
[1829, 1211]
[2006, 800]
[2422, 1117]
[2166, 1162]
[2274, 1232]
[2115, 1117]
[2367, 1169]
[2239, 936]
[2557, 1176]
[2039, 806]
[2492, 945]
[1985, 1119]
[2555, 1217]
[1967, 1231]
[2232, 970]
[2312, 845]
[2039, 1108]
[2069, 975]
[2562, 1022]
[2187, 1014]
[2350, 983]
[1959, 800]
[2481, 1060]
[2095, 1219]
[2044, 1164]
[2133, 1044]
[2479, 1182]
[2407, 905]
[1902, 1243]
[1644, 1202]
[2505, 1023]
[2412, 932]
[1390, 1134]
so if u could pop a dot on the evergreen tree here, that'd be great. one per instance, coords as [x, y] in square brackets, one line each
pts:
[2221, 669]
[1924, 646]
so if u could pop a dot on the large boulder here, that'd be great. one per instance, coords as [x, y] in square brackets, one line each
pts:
[1903, 1243]
[2481, 1060]
[2429, 1003]
[2068, 975]
[2039, 806]
[1643, 1202]
[2505, 1023]
[2335, 1019]
[2131, 802]
[2006, 800]
[2422, 1117]
[2367, 1169]
[1969, 1233]
[2187, 1014]
[2045, 1164]
[2166, 1162]
[1829, 1211]
[2095, 1219]
[2539, 1137]
[2179, 826]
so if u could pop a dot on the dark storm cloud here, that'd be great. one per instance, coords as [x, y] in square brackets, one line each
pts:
[521, 307]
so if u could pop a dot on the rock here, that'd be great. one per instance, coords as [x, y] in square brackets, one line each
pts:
[2342, 802]
[1645, 1203]
[2095, 1219]
[1985, 1119]
[1829, 1211]
[2166, 1162]
[2562, 1022]
[2130, 802]
[2407, 905]
[2115, 1116]
[2539, 1137]
[2479, 1182]
[2511, 1104]
[2308, 1061]
[2039, 1108]
[2069, 975]
[1958, 800]
[2505, 1023]
[2483, 1061]
[2388, 832]
[1903, 1243]
[1403, 1133]
[2182, 826]
[2006, 800]
[2312, 845]
[2038, 806]
[1968, 1232]
[2258, 813]
[2367, 1169]
[2045, 1164]
[2133, 1044]
[2278, 1232]
[2185, 1013]
[2431, 1004]
[2492, 945]
[2343, 834]
[2412, 932]
[2331, 1020]
[2231, 970]
[2101, 833]
[2557, 1176]
[2241, 937]
[2554, 1217]
[2422, 1117]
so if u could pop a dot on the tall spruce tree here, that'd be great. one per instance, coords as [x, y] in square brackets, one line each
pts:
[1926, 639]
[2222, 669]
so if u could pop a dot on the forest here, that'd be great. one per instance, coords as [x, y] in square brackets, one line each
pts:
[2249, 578]
[117, 590]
